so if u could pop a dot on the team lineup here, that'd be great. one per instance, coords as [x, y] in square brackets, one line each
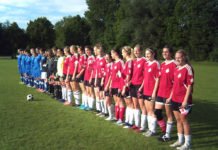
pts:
[128, 86]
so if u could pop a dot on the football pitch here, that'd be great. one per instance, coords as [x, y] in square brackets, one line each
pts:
[45, 124]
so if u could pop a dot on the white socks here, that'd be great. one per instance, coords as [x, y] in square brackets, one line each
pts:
[188, 140]
[180, 138]
[64, 93]
[131, 116]
[143, 121]
[137, 117]
[102, 105]
[169, 129]
[77, 97]
[152, 122]
[69, 96]
[127, 115]
[91, 102]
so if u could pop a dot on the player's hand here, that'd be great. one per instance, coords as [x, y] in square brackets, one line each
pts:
[168, 100]
[184, 104]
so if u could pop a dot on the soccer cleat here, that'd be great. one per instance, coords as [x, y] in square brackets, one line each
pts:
[99, 114]
[164, 138]
[184, 147]
[82, 107]
[142, 129]
[119, 122]
[175, 144]
[149, 133]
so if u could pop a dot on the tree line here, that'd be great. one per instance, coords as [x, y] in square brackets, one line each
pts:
[191, 25]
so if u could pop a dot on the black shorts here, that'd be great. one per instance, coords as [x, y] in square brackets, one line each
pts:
[147, 98]
[80, 79]
[161, 100]
[69, 77]
[107, 93]
[126, 94]
[134, 91]
[98, 84]
[86, 83]
[114, 91]
[92, 82]
[176, 106]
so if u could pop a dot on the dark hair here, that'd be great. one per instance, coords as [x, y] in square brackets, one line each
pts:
[170, 49]
[183, 52]
[89, 47]
[117, 51]
[152, 51]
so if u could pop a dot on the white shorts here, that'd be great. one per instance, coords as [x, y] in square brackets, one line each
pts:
[44, 75]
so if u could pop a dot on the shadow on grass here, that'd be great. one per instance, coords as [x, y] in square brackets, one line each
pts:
[204, 123]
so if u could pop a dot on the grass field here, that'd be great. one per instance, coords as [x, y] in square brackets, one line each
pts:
[46, 124]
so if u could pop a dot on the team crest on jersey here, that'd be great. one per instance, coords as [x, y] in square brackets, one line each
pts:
[101, 63]
[179, 75]
[149, 70]
[139, 66]
[168, 70]
[115, 67]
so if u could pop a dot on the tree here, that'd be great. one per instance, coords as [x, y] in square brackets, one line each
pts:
[41, 33]
[72, 30]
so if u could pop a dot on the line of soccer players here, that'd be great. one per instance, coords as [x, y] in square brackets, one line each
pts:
[133, 90]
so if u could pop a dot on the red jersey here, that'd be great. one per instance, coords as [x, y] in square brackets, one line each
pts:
[138, 69]
[151, 73]
[116, 75]
[66, 64]
[107, 73]
[183, 76]
[89, 67]
[100, 66]
[94, 74]
[72, 64]
[82, 63]
[127, 71]
[166, 78]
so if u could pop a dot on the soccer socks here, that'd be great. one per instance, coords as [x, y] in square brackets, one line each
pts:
[137, 117]
[69, 96]
[131, 116]
[105, 107]
[162, 125]
[143, 121]
[110, 111]
[188, 140]
[169, 129]
[153, 124]
[101, 105]
[180, 138]
[121, 113]
[64, 93]
[77, 97]
[117, 111]
[91, 102]
[127, 115]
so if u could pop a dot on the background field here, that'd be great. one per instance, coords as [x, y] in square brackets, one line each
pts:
[47, 124]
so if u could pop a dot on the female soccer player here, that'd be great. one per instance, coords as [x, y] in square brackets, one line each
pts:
[164, 94]
[107, 80]
[150, 85]
[135, 92]
[116, 78]
[127, 75]
[73, 69]
[27, 67]
[66, 88]
[88, 78]
[182, 99]
[59, 75]
[80, 75]
[99, 88]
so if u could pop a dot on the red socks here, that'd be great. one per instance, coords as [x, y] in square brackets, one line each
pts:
[162, 125]
[122, 112]
[117, 111]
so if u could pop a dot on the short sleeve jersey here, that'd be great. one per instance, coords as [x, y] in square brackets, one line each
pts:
[183, 76]
[166, 78]
[151, 73]
[138, 69]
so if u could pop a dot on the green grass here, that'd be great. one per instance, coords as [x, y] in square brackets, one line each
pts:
[47, 124]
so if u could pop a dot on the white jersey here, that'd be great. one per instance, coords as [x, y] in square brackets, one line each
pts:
[60, 64]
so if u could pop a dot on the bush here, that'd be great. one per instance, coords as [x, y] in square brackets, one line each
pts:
[214, 56]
